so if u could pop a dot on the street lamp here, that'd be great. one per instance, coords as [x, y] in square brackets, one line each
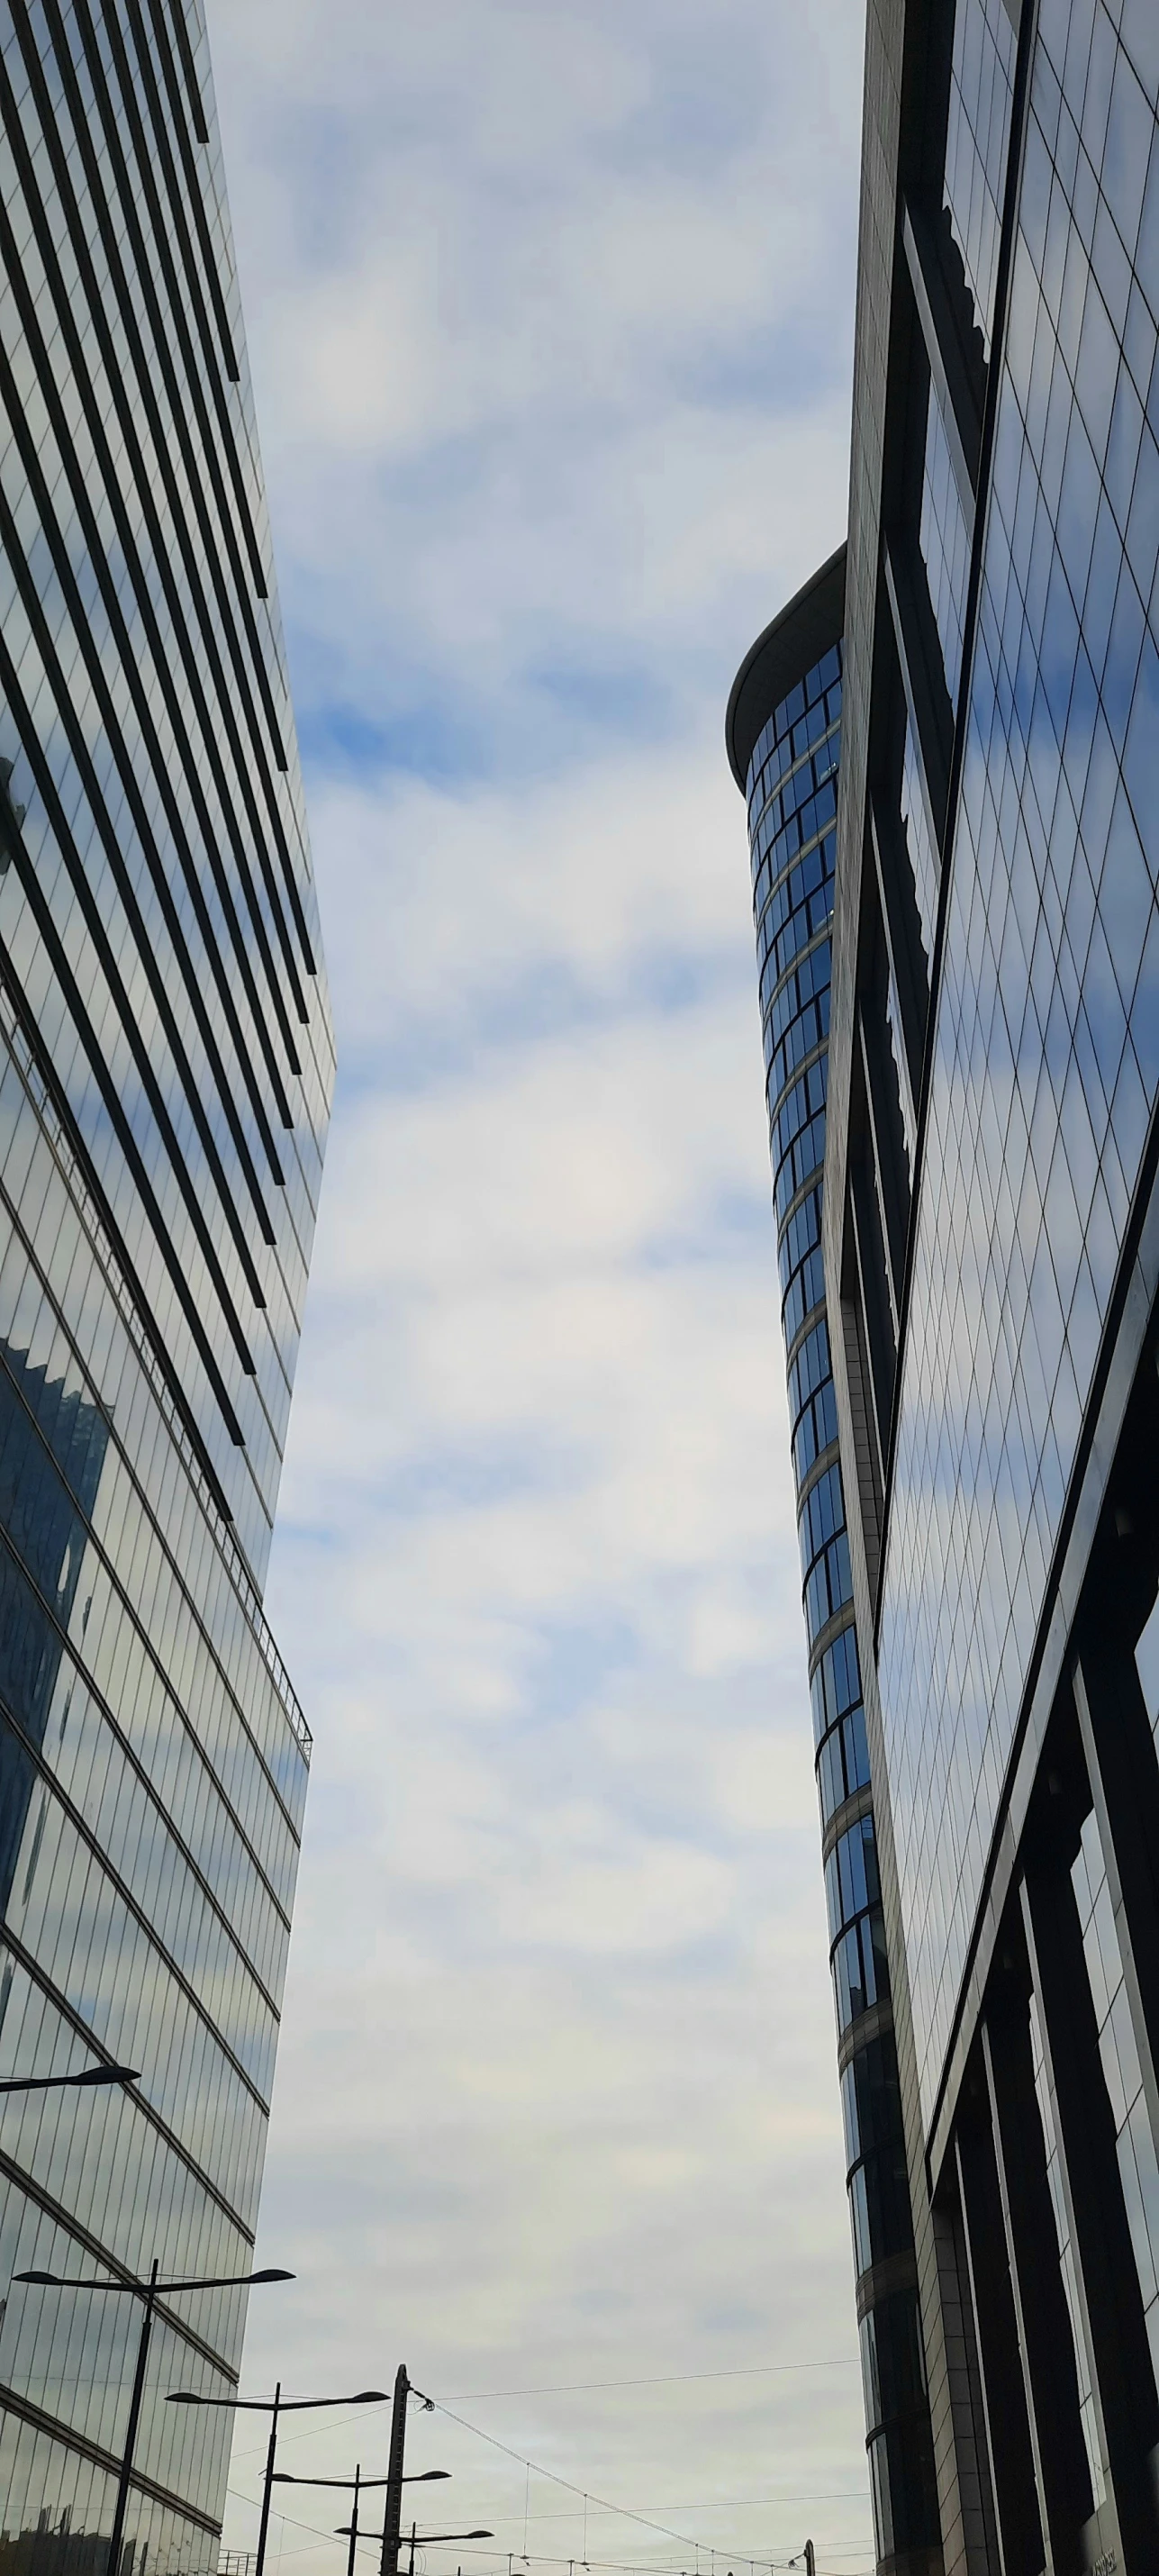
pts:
[273, 2407]
[149, 2292]
[88, 2075]
[418, 2478]
[429, 2539]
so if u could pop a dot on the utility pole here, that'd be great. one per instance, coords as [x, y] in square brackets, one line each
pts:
[354, 2521]
[810, 2559]
[117, 2541]
[393, 2515]
[267, 2483]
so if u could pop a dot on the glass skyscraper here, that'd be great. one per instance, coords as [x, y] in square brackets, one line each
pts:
[990, 1234]
[783, 734]
[166, 1066]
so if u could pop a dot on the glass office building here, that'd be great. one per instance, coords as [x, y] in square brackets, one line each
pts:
[990, 1231]
[166, 1065]
[783, 733]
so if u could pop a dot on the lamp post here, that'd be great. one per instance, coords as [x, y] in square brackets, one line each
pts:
[274, 2407]
[148, 2292]
[418, 2478]
[428, 2540]
[388, 2565]
[88, 2075]
[352, 2526]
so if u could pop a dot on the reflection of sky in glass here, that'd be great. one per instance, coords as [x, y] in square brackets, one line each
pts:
[945, 544]
[165, 865]
[923, 856]
[1044, 2091]
[1119, 2055]
[793, 765]
[146, 1858]
[165, 1070]
[980, 99]
[1048, 1018]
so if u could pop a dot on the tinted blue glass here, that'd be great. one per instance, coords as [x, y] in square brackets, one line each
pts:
[791, 801]
[945, 544]
[1046, 1056]
[920, 842]
[981, 95]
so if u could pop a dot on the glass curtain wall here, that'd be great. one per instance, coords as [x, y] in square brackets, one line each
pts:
[166, 1066]
[791, 791]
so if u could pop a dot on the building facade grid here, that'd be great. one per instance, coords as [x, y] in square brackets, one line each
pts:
[166, 1067]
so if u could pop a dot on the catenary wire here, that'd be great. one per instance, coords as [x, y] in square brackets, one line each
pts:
[568, 2484]
[706, 2504]
[658, 2379]
[602, 2504]
[607, 2566]
[625, 2512]
[574, 2387]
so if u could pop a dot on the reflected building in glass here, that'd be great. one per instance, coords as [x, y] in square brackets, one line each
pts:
[990, 1232]
[166, 1066]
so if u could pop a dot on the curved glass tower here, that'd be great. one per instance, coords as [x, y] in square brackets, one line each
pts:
[991, 1228]
[784, 743]
[166, 1065]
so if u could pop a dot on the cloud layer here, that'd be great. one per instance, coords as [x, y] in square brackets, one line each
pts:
[549, 315]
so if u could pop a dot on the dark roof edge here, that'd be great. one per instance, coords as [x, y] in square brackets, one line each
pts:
[789, 647]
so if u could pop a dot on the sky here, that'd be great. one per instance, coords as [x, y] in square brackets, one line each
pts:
[550, 318]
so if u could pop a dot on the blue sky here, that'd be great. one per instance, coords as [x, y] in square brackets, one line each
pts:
[550, 314]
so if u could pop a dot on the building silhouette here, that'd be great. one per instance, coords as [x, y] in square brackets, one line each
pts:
[166, 1066]
[55, 2549]
[990, 1238]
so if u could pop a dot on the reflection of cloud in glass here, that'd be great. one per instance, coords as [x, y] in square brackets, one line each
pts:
[52, 1439]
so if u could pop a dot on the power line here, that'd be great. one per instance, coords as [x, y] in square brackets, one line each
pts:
[305, 2433]
[574, 2387]
[708, 2504]
[660, 2379]
[606, 2566]
[567, 2483]
[629, 2513]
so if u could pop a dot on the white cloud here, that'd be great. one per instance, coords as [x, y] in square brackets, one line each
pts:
[556, 301]
[549, 312]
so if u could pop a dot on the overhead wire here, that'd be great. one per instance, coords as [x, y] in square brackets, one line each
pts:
[657, 2379]
[602, 2504]
[606, 2566]
[579, 2387]
[706, 2504]
[628, 2513]
[305, 2432]
[568, 2484]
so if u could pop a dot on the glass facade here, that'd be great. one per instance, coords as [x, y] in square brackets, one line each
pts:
[1122, 2071]
[166, 1066]
[790, 777]
[1046, 1046]
[977, 142]
[990, 1240]
[945, 543]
